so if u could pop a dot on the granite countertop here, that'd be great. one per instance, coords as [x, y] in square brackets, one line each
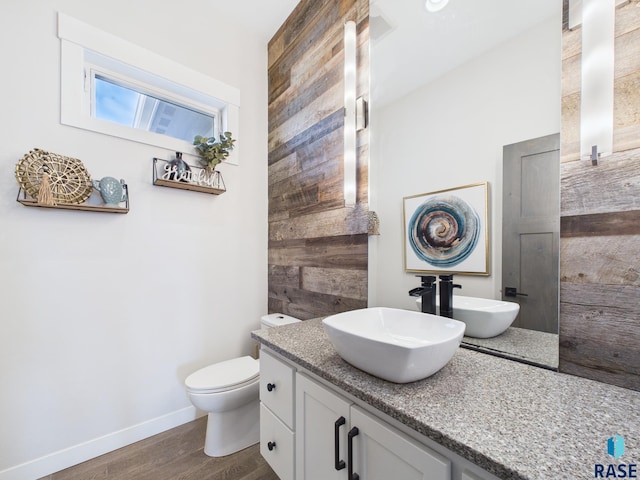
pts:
[530, 346]
[513, 420]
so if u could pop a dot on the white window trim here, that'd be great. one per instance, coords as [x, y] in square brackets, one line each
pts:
[77, 38]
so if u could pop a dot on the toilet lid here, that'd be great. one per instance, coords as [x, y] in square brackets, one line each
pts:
[224, 375]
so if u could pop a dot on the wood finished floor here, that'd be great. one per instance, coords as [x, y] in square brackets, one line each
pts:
[173, 455]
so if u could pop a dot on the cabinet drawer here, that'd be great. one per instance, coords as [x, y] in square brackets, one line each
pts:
[276, 387]
[274, 433]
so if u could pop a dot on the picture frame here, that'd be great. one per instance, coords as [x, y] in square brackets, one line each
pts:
[447, 231]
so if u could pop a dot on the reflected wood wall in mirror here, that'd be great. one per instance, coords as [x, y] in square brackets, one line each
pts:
[600, 222]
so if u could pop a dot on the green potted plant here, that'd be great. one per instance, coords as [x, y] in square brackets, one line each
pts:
[213, 151]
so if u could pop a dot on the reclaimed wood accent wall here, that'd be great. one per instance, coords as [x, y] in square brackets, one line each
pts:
[600, 222]
[317, 246]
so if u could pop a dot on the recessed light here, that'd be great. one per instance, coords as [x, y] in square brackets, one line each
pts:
[435, 5]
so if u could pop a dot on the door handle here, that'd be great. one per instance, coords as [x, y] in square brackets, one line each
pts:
[339, 464]
[350, 474]
[513, 292]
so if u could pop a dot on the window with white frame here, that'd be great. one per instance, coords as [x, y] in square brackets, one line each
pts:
[124, 103]
[117, 88]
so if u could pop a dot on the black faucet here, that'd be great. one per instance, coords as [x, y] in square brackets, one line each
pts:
[428, 293]
[446, 295]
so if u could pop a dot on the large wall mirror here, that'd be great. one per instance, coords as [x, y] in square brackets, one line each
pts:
[449, 90]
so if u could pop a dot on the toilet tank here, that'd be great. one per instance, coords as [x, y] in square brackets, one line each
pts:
[276, 319]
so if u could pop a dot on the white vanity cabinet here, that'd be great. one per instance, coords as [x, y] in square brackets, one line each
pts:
[335, 439]
[277, 437]
[310, 430]
[467, 475]
[380, 452]
[322, 423]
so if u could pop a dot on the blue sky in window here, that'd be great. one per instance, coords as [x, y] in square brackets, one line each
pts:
[115, 103]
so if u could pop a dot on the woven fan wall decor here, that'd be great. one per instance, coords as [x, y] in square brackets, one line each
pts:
[69, 180]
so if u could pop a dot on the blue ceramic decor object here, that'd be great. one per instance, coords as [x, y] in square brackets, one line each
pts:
[111, 190]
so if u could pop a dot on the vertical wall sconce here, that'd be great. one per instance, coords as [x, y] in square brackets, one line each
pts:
[350, 82]
[596, 107]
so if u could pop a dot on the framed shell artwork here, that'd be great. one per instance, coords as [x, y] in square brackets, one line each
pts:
[446, 231]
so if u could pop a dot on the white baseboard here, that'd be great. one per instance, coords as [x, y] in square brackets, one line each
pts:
[54, 462]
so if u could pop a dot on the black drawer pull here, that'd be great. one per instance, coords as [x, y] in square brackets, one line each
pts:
[271, 387]
[350, 473]
[271, 446]
[339, 464]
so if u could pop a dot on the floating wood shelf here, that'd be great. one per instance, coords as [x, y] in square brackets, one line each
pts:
[30, 202]
[194, 187]
[187, 186]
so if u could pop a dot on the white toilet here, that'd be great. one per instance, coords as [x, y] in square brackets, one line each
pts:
[229, 392]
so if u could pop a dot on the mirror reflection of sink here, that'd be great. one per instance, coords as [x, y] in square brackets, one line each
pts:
[484, 317]
[397, 345]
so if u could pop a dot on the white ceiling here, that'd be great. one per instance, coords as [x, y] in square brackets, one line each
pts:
[423, 46]
[261, 16]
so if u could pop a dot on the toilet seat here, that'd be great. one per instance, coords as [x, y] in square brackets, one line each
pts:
[224, 376]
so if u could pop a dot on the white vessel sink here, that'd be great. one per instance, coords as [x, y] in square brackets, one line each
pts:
[485, 318]
[397, 345]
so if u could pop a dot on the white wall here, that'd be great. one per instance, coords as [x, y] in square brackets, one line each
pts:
[102, 316]
[451, 133]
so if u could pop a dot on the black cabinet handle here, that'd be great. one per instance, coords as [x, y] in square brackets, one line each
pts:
[271, 387]
[352, 433]
[339, 464]
[271, 445]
